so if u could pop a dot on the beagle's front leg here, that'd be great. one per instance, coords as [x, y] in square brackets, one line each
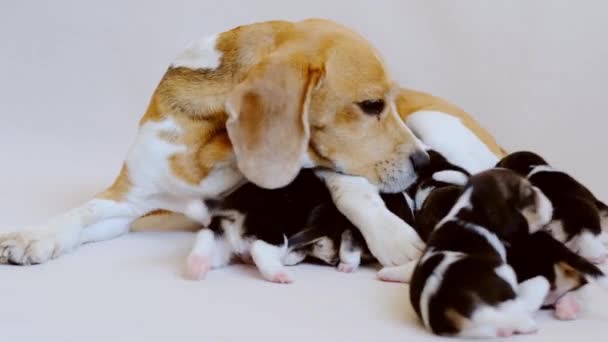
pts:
[98, 219]
[390, 239]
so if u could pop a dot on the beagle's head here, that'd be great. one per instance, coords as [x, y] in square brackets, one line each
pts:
[321, 97]
[506, 203]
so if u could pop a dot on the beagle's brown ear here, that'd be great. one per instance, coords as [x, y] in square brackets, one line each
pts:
[268, 121]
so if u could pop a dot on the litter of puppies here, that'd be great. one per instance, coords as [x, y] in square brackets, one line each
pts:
[501, 244]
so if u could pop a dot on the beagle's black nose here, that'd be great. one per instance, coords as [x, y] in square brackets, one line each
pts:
[420, 160]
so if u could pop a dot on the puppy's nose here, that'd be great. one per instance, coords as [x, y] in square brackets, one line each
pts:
[420, 160]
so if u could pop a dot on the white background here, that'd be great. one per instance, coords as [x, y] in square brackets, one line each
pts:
[75, 76]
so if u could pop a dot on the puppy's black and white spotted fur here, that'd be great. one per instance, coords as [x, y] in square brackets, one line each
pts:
[438, 186]
[578, 216]
[284, 226]
[254, 224]
[463, 285]
[274, 228]
[564, 270]
[431, 197]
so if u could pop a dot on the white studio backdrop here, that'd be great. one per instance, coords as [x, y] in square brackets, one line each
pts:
[75, 76]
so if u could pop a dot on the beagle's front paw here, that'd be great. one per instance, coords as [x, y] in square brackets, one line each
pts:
[393, 242]
[398, 274]
[30, 247]
[346, 267]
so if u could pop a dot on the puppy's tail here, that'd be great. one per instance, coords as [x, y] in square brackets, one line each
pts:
[573, 264]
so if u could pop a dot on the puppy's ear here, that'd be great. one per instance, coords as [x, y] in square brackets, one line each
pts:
[543, 211]
[268, 120]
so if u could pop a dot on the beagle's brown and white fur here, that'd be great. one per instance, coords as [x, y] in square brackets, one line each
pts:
[260, 102]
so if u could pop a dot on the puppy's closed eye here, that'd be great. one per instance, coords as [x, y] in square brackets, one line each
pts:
[372, 107]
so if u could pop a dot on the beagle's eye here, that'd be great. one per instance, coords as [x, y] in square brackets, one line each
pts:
[372, 107]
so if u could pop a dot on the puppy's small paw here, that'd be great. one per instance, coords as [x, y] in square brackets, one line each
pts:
[504, 332]
[567, 308]
[397, 247]
[197, 267]
[599, 260]
[346, 267]
[281, 277]
[524, 325]
[527, 331]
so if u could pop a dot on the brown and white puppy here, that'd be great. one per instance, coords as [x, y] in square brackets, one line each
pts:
[578, 216]
[462, 285]
[257, 102]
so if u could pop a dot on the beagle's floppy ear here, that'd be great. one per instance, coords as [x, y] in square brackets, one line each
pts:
[268, 121]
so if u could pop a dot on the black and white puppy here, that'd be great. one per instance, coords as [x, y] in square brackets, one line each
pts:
[277, 228]
[438, 186]
[463, 285]
[578, 216]
[434, 193]
[329, 237]
[541, 255]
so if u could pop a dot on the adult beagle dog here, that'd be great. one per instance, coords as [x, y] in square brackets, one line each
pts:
[260, 102]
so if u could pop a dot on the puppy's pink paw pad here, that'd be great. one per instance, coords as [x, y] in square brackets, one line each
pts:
[281, 278]
[567, 308]
[197, 267]
[504, 332]
[599, 259]
[346, 268]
